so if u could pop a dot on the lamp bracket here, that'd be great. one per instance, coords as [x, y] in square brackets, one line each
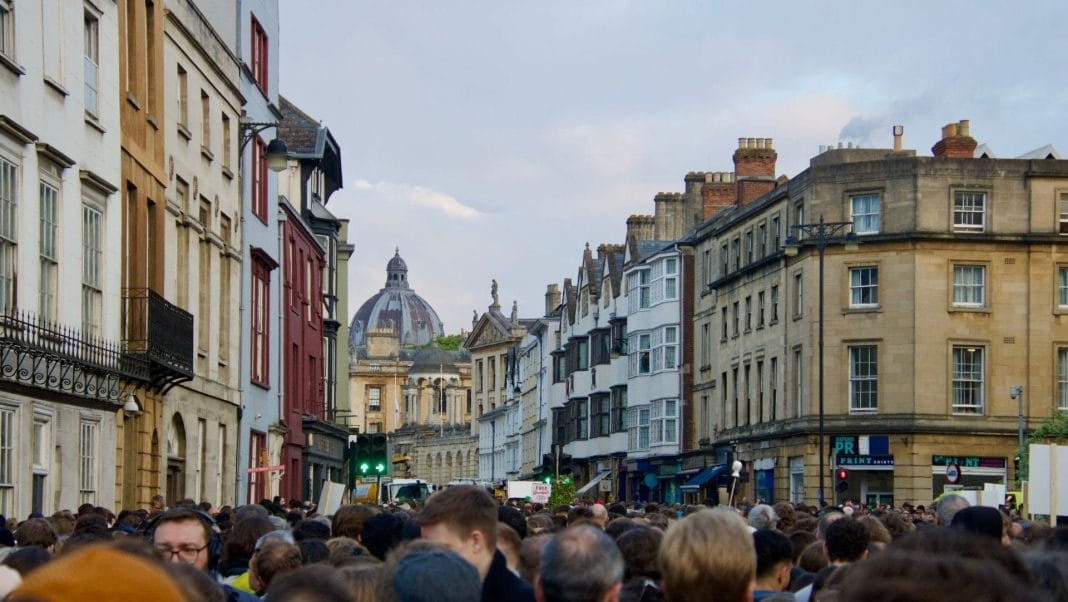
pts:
[252, 128]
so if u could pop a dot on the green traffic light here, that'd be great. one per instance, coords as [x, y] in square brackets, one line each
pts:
[364, 467]
[548, 480]
[567, 480]
[380, 468]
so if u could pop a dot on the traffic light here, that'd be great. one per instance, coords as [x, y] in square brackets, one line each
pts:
[362, 458]
[379, 456]
[843, 484]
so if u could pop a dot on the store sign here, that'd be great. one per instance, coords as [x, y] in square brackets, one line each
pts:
[853, 460]
[968, 461]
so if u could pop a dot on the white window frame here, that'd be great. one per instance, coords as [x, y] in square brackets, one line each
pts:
[91, 60]
[638, 290]
[864, 286]
[968, 379]
[1062, 287]
[774, 299]
[1062, 379]
[969, 294]
[7, 29]
[638, 427]
[374, 399]
[92, 268]
[9, 195]
[664, 422]
[88, 461]
[1062, 214]
[969, 216]
[48, 248]
[864, 211]
[8, 459]
[863, 379]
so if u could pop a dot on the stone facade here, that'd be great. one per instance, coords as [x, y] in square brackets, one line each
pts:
[953, 295]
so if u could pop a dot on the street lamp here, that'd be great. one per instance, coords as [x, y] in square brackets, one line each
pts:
[822, 234]
[277, 151]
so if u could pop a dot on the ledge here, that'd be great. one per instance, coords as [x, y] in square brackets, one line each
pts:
[93, 122]
[12, 66]
[206, 153]
[184, 132]
[55, 85]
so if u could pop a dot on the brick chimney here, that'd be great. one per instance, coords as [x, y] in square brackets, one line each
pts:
[720, 191]
[754, 168]
[552, 298]
[955, 142]
[640, 227]
[669, 221]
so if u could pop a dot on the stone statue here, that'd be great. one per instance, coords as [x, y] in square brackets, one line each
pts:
[515, 311]
[474, 318]
[493, 293]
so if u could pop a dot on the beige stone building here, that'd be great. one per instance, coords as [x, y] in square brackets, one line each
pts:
[956, 293]
[403, 384]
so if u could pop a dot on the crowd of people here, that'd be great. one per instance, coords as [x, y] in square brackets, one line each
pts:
[462, 545]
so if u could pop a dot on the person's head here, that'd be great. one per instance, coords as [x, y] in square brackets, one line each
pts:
[948, 506]
[530, 556]
[775, 557]
[314, 583]
[829, 516]
[762, 516]
[363, 578]
[241, 540]
[25, 560]
[619, 526]
[813, 558]
[846, 541]
[513, 517]
[348, 520]
[271, 560]
[708, 551]
[640, 547]
[381, 533]
[877, 531]
[800, 540]
[195, 583]
[184, 535]
[540, 524]
[600, 515]
[560, 577]
[36, 532]
[311, 528]
[434, 575]
[787, 515]
[464, 518]
[980, 520]
[313, 551]
[509, 544]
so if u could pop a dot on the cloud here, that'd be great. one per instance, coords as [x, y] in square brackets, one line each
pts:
[413, 194]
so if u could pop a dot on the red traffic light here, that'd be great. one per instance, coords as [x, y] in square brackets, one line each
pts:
[842, 474]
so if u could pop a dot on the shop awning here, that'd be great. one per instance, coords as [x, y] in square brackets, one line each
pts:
[703, 477]
[593, 482]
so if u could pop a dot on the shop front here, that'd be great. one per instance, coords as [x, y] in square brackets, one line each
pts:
[863, 470]
[764, 480]
[954, 473]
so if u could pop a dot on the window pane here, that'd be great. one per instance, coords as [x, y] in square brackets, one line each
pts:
[968, 285]
[863, 379]
[969, 211]
[968, 380]
[864, 286]
[865, 211]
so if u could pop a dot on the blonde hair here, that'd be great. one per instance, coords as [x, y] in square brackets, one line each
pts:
[708, 556]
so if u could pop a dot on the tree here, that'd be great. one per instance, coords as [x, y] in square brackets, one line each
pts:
[563, 491]
[450, 342]
[1053, 429]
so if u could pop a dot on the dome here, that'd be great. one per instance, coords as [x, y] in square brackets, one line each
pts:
[396, 307]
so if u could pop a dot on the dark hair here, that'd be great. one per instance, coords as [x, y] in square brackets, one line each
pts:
[800, 540]
[311, 529]
[194, 583]
[273, 559]
[846, 540]
[513, 518]
[93, 523]
[617, 527]
[348, 520]
[35, 532]
[772, 549]
[315, 582]
[27, 559]
[241, 541]
[900, 575]
[313, 551]
[586, 547]
[640, 547]
[381, 533]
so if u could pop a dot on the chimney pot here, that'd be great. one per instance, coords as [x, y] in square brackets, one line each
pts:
[962, 127]
[741, 143]
[751, 143]
[949, 130]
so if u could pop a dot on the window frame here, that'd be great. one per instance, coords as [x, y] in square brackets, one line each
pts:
[374, 398]
[978, 386]
[863, 384]
[870, 222]
[260, 327]
[48, 251]
[1061, 378]
[259, 55]
[1062, 213]
[92, 267]
[91, 61]
[959, 211]
[863, 294]
[9, 231]
[8, 42]
[964, 299]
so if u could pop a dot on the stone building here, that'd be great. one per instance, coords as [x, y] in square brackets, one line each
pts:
[403, 384]
[957, 291]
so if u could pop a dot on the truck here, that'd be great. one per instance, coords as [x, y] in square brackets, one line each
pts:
[391, 491]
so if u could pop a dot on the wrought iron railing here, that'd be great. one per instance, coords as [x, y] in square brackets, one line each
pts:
[160, 332]
[38, 353]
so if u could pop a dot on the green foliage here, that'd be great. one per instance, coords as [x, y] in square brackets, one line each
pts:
[1052, 430]
[563, 491]
[450, 342]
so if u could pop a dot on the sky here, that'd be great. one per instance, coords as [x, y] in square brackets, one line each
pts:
[494, 139]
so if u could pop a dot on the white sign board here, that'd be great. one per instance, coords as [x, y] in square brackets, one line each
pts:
[330, 498]
[993, 494]
[1047, 492]
[537, 491]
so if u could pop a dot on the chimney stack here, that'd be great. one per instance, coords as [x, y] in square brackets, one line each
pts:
[720, 191]
[552, 298]
[956, 143]
[754, 168]
[669, 221]
[640, 227]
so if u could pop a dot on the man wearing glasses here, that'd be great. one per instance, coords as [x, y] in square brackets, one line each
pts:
[183, 535]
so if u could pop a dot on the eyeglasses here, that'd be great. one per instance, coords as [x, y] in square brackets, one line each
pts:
[185, 554]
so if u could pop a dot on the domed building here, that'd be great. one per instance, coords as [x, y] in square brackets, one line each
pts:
[401, 382]
[396, 307]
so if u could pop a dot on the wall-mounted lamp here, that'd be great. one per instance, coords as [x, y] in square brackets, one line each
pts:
[277, 150]
[131, 408]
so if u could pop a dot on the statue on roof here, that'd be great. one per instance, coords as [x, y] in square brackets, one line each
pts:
[515, 311]
[493, 293]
